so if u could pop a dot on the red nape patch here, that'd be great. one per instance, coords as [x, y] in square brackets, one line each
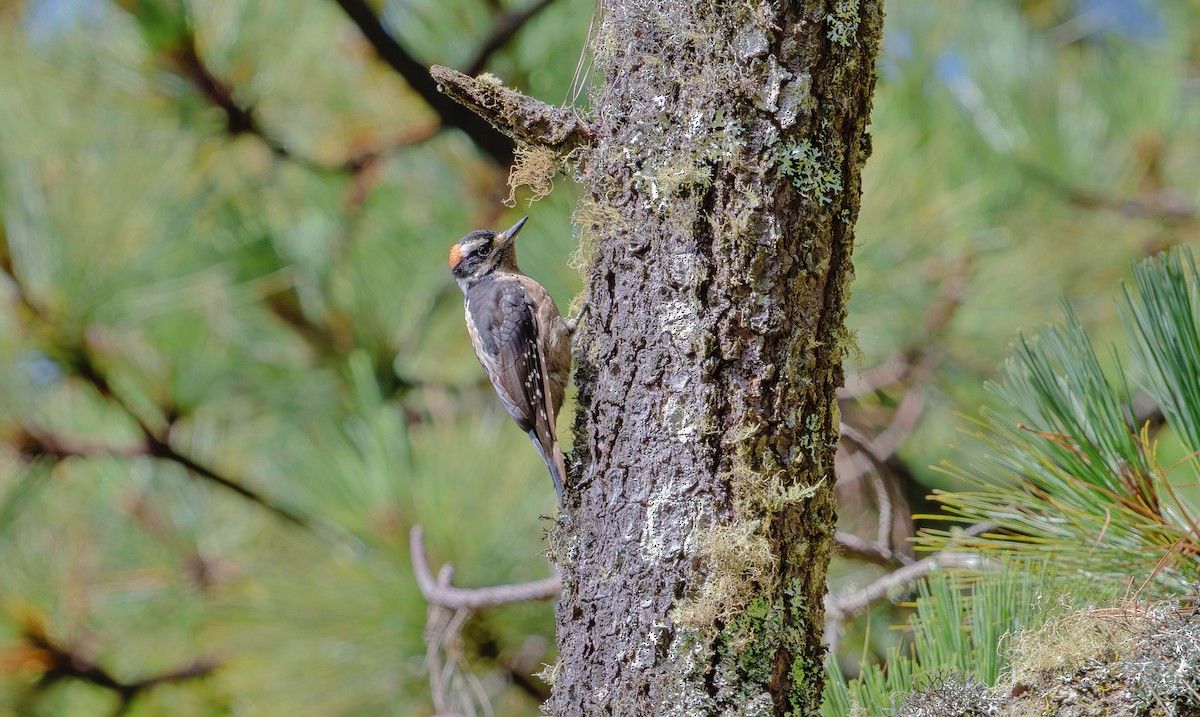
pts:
[455, 256]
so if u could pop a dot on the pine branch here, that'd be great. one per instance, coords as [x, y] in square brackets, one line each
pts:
[506, 27]
[184, 57]
[64, 663]
[244, 118]
[414, 73]
[79, 360]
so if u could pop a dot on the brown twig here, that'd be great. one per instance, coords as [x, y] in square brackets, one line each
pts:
[239, 119]
[452, 598]
[840, 609]
[160, 448]
[868, 551]
[32, 442]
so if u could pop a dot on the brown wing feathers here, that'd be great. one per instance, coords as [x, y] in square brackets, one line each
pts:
[503, 323]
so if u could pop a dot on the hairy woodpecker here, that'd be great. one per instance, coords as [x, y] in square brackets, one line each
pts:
[520, 338]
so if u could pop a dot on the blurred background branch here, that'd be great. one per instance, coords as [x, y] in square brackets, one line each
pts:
[417, 76]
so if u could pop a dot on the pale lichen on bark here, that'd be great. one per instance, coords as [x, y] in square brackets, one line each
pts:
[700, 517]
[519, 116]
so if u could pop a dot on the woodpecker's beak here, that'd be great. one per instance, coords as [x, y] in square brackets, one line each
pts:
[506, 237]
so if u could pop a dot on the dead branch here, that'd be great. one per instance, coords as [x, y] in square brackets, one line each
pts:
[918, 359]
[858, 601]
[868, 551]
[452, 598]
[890, 372]
[454, 688]
[880, 453]
[838, 610]
[518, 116]
[882, 465]
[904, 422]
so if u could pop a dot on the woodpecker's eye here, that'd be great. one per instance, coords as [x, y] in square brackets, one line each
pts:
[469, 251]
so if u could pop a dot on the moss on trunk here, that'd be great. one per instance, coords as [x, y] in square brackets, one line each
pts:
[723, 185]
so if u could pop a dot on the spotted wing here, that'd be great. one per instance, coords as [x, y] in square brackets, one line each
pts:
[504, 330]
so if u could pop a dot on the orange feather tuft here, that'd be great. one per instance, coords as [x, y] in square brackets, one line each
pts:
[455, 256]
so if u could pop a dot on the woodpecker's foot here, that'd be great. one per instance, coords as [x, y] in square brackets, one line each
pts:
[572, 323]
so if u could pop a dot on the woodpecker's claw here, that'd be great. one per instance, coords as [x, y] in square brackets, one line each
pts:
[572, 323]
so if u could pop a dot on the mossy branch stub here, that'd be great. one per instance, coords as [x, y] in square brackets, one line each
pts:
[516, 115]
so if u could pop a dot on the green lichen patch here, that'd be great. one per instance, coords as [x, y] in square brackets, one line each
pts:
[801, 162]
[748, 647]
[843, 22]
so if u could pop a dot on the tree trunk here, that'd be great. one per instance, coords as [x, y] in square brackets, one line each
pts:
[721, 163]
[724, 185]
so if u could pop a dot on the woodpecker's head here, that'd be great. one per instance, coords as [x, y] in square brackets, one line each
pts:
[482, 252]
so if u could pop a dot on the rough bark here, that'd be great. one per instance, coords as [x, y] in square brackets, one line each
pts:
[721, 163]
[725, 183]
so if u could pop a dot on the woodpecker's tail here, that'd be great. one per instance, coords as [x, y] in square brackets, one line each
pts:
[553, 457]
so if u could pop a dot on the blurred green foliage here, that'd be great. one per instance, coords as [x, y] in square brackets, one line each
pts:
[223, 226]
